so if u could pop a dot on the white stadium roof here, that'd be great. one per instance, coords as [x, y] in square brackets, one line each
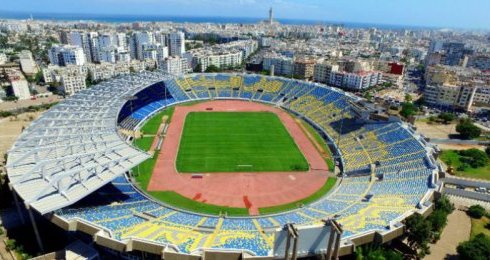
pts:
[74, 148]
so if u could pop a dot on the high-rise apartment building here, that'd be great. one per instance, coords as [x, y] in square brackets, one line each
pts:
[173, 65]
[176, 43]
[63, 55]
[139, 40]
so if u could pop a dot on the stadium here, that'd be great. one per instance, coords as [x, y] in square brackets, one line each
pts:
[218, 166]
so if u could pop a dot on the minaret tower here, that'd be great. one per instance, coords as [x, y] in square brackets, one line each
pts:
[271, 16]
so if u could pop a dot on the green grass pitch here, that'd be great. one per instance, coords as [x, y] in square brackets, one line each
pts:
[237, 142]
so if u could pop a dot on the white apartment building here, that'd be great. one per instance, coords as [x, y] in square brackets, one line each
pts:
[123, 56]
[149, 54]
[93, 43]
[108, 55]
[176, 42]
[72, 83]
[122, 41]
[174, 65]
[355, 81]
[50, 73]
[16, 26]
[280, 64]
[54, 73]
[222, 60]
[223, 56]
[246, 46]
[84, 41]
[102, 71]
[98, 72]
[155, 51]
[161, 38]
[63, 55]
[27, 63]
[3, 58]
[140, 39]
[107, 40]
[20, 86]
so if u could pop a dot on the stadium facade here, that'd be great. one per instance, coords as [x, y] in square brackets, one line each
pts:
[72, 165]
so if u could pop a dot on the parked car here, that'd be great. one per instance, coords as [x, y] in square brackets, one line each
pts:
[481, 189]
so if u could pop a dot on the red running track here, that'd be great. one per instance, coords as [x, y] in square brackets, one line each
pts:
[245, 190]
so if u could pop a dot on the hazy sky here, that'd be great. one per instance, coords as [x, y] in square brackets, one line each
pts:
[441, 13]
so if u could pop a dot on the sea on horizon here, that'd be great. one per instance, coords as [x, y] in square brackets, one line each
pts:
[186, 19]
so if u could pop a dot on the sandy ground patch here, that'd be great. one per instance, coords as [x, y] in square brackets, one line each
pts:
[10, 129]
[460, 146]
[457, 230]
[5, 106]
[439, 131]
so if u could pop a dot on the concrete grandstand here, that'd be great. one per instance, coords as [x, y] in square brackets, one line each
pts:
[72, 166]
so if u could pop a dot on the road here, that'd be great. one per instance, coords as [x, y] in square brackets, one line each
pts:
[457, 141]
[13, 105]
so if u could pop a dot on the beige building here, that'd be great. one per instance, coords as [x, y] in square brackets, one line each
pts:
[322, 71]
[439, 75]
[27, 63]
[72, 83]
[304, 68]
[482, 96]
[452, 96]
[20, 86]
[451, 75]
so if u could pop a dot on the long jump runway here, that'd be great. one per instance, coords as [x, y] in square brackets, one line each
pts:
[245, 189]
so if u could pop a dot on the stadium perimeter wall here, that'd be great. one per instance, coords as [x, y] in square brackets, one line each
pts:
[103, 238]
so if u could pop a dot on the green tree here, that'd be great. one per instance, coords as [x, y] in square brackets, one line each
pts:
[368, 96]
[10, 244]
[4, 40]
[444, 204]
[89, 81]
[477, 248]
[375, 252]
[476, 211]
[408, 110]
[467, 129]
[408, 98]
[212, 69]
[38, 77]
[418, 231]
[487, 150]
[438, 220]
[198, 68]
[447, 117]
[474, 157]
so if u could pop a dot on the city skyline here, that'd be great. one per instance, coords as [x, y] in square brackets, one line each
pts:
[437, 13]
